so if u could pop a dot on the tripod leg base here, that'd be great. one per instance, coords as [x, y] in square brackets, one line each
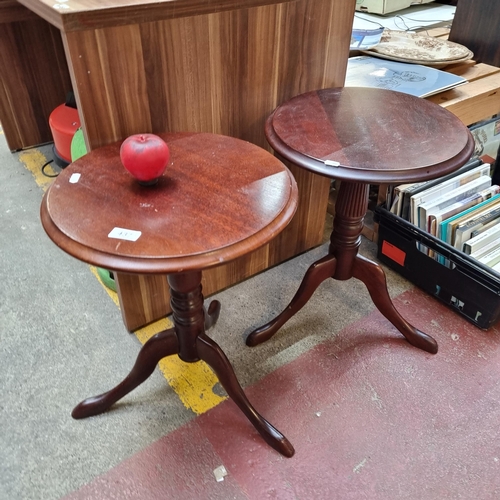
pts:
[213, 355]
[373, 276]
[315, 275]
[157, 347]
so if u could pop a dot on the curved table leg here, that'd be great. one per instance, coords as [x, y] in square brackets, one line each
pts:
[315, 275]
[213, 355]
[157, 347]
[373, 276]
[212, 314]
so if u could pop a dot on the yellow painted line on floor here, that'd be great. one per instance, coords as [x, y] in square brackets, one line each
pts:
[34, 160]
[193, 382]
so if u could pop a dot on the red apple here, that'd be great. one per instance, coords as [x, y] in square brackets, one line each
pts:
[145, 156]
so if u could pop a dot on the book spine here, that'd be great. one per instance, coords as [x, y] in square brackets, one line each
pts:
[486, 249]
[478, 230]
[483, 169]
[482, 239]
[462, 234]
[491, 258]
[450, 226]
[482, 219]
[447, 199]
[462, 205]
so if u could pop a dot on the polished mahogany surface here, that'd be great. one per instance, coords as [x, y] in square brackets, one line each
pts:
[218, 199]
[376, 135]
[370, 136]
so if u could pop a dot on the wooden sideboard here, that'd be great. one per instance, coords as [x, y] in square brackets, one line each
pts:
[220, 66]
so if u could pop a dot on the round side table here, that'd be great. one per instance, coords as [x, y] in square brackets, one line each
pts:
[362, 136]
[220, 198]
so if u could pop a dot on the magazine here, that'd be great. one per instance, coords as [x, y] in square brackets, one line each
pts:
[414, 79]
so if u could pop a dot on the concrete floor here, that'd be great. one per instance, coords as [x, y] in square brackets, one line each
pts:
[370, 416]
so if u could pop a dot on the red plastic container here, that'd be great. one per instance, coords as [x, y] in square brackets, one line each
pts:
[64, 122]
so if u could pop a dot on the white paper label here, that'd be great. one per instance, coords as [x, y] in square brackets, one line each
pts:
[74, 178]
[331, 163]
[124, 234]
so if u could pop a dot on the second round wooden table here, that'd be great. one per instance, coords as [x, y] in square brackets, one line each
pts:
[362, 136]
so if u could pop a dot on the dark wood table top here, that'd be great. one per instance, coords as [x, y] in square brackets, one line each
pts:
[376, 135]
[218, 199]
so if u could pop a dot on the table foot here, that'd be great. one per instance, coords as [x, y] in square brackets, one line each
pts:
[213, 355]
[212, 315]
[315, 275]
[157, 347]
[373, 276]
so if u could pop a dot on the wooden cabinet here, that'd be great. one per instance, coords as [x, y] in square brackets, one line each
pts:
[191, 65]
[34, 75]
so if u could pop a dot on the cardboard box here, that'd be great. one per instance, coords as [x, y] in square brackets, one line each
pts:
[385, 6]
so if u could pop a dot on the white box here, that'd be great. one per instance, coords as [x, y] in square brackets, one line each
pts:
[385, 6]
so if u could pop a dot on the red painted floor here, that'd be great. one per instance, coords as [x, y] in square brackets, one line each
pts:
[370, 418]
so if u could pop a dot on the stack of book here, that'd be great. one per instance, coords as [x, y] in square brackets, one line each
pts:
[461, 209]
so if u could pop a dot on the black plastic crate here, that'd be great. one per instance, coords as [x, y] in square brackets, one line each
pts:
[470, 288]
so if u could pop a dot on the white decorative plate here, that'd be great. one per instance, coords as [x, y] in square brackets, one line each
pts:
[433, 64]
[418, 48]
